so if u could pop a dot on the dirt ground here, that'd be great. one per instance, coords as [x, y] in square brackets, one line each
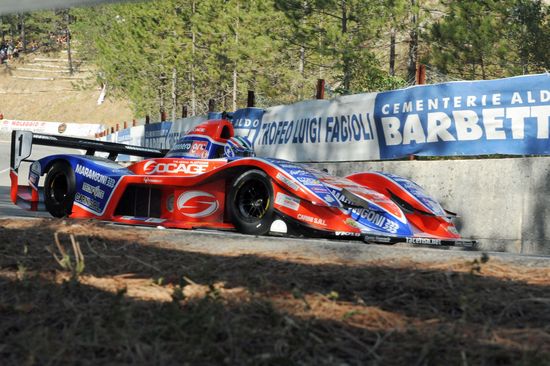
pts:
[60, 100]
[79, 292]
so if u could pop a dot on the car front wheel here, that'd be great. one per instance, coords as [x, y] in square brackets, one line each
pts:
[60, 189]
[250, 203]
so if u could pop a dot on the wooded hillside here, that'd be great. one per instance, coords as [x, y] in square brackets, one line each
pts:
[166, 54]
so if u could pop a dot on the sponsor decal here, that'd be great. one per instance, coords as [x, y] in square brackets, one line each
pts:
[95, 176]
[96, 191]
[200, 148]
[312, 220]
[185, 146]
[197, 204]
[319, 189]
[148, 180]
[295, 172]
[289, 182]
[186, 167]
[428, 241]
[380, 239]
[87, 201]
[287, 201]
[309, 181]
[346, 233]
[377, 219]
[284, 165]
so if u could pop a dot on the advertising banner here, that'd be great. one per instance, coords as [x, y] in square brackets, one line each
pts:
[320, 130]
[51, 128]
[505, 116]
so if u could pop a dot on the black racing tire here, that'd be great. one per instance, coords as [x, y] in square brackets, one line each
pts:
[60, 189]
[250, 203]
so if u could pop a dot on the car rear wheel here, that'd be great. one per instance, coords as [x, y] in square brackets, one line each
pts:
[60, 189]
[250, 203]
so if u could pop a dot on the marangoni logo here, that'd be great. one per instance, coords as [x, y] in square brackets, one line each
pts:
[197, 204]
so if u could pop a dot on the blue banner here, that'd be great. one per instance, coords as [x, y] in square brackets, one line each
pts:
[505, 116]
[248, 122]
[156, 135]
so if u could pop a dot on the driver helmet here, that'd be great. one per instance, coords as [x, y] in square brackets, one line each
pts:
[238, 146]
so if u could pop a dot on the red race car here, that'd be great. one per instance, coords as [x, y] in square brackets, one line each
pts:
[212, 179]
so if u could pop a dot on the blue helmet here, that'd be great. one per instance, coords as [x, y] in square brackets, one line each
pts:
[238, 147]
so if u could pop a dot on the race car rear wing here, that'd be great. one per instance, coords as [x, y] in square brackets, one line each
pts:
[22, 142]
[21, 149]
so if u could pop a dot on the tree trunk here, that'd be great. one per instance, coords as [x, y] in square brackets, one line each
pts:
[22, 32]
[345, 56]
[392, 52]
[174, 93]
[482, 64]
[2, 29]
[235, 66]
[69, 51]
[193, 85]
[413, 44]
[302, 64]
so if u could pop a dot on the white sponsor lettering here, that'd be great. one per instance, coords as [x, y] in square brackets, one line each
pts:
[87, 201]
[148, 180]
[469, 125]
[312, 220]
[153, 167]
[289, 182]
[97, 192]
[377, 219]
[346, 233]
[95, 176]
[428, 241]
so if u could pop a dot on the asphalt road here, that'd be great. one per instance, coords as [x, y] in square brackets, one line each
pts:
[218, 242]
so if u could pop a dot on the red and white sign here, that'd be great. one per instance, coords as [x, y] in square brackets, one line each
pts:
[197, 204]
[51, 128]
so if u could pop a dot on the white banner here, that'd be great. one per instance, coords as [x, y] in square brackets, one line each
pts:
[320, 130]
[51, 128]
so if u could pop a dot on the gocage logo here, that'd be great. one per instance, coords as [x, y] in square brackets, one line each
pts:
[197, 204]
[152, 167]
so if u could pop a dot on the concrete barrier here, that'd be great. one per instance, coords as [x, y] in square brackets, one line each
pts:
[503, 203]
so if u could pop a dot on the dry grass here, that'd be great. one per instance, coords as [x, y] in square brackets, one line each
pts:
[134, 302]
[55, 100]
